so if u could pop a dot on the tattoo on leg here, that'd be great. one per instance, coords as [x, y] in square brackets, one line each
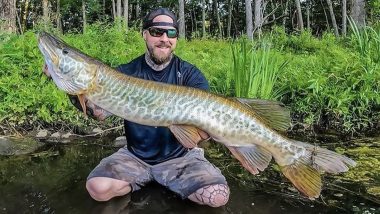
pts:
[212, 195]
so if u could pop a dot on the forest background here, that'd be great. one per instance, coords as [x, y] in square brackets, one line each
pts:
[319, 57]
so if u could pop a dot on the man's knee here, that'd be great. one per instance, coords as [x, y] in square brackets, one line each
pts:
[103, 189]
[212, 195]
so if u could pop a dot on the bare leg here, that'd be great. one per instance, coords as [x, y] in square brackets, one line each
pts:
[212, 195]
[103, 188]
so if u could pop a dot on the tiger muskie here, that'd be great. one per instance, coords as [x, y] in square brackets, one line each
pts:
[247, 127]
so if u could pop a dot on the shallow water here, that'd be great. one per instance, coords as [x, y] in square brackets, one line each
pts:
[53, 181]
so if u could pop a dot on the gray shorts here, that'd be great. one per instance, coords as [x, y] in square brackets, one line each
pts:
[183, 175]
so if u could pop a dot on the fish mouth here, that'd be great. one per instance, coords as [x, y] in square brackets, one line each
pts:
[50, 47]
[46, 44]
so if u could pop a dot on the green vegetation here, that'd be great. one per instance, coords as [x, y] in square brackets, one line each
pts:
[329, 82]
[255, 70]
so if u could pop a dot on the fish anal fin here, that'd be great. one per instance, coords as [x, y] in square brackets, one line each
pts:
[272, 113]
[304, 177]
[253, 158]
[188, 136]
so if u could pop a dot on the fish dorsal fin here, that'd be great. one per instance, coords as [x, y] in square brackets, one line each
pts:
[254, 158]
[188, 136]
[273, 113]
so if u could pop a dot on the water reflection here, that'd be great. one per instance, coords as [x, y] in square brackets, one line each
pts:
[152, 199]
[53, 181]
[156, 199]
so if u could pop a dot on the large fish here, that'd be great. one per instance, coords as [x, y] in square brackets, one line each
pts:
[193, 115]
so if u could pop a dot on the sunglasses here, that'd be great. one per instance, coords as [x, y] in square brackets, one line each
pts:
[158, 32]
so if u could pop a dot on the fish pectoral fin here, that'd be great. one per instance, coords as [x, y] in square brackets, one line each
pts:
[304, 177]
[272, 113]
[188, 136]
[254, 158]
[82, 101]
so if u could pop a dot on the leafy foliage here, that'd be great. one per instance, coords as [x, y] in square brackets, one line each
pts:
[328, 82]
[24, 90]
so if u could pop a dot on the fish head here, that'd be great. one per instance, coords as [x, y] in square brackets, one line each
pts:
[71, 70]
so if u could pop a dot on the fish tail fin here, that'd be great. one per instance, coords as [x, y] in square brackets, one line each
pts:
[326, 160]
[304, 173]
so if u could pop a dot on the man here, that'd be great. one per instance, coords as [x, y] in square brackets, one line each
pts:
[153, 153]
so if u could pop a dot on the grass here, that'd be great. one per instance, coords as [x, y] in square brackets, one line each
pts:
[255, 70]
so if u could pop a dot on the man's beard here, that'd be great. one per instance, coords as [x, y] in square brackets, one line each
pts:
[159, 60]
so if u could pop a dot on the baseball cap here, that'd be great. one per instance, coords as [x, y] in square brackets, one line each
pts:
[148, 20]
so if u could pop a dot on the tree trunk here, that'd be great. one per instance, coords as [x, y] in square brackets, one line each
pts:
[195, 20]
[299, 15]
[273, 7]
[192, 21]
[8, 16]
[19, 22]
[181, 18]
[358, 12]
[230, 5]
[286, 14]
[203, 19]
[333, 20]
[126, 14]
[248, 19]
[344, 18]
[45, 9]
[137, 10]
[59, 23]
[118, 14]
[220, 31]
[118, 9]
[114, 9]
[308, 15]
[104, 9]
[258, 16]
[327, 18]
[84, 16]
[33, 15]
[25, 15]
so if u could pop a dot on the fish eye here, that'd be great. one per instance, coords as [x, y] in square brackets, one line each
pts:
[65, 51]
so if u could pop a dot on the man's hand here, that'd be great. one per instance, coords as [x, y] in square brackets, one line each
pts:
[97, 112]
[92, 110]
[46, 70]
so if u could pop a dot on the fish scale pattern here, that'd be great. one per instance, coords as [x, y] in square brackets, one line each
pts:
[155, 104]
